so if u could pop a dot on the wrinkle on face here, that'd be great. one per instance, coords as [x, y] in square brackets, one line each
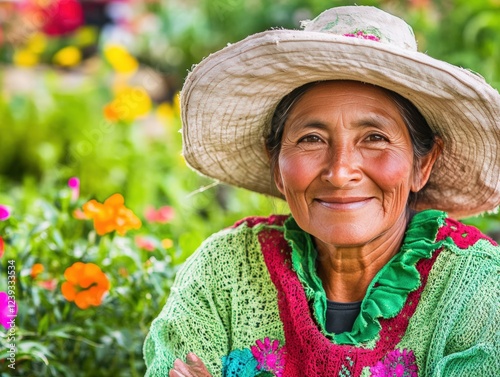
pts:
[343, 163]
[346, 168]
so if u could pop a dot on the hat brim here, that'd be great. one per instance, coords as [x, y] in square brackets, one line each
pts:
[229, 98]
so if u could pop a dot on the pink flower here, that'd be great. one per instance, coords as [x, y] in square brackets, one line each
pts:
[74, 185]
[8, 310]
[162, 215]
[4, 212]
[270, 357]
[145, 243]
[396, 364]
[50, 284]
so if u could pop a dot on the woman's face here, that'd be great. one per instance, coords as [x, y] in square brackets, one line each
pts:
[346, 164]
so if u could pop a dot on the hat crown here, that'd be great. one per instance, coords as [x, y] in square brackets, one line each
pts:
[364, 22]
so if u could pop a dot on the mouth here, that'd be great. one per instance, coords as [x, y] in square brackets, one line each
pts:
[344, 203]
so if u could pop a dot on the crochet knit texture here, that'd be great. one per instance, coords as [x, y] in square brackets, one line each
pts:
[249, 303]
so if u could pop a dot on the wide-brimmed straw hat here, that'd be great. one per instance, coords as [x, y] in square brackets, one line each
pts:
[229, 98]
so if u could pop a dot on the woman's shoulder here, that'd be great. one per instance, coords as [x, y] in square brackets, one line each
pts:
[465, 259]
[435, 230]
[467, 240]
[451, 250]
[243, 230]
[238, 242]
[256, 221]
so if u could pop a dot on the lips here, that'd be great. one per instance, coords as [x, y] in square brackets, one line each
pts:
[343, 203]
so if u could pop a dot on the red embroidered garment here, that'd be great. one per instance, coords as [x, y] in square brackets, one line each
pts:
[308, 351]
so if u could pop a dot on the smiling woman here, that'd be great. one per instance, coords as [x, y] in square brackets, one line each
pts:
[345, 167]
[375, 147]
[346, 157]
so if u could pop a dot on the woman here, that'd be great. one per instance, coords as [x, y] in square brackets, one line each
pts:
[371, 144]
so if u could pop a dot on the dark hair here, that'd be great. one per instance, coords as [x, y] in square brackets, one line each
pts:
[422, 136]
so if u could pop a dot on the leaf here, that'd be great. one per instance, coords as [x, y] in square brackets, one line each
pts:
[57, 237]
[41, 227]
[43, 324]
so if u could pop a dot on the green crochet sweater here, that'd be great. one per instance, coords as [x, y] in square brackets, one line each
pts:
[248, 302]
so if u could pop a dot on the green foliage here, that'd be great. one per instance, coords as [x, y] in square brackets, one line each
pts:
[463, 32]
[62, 134]
[56, 338]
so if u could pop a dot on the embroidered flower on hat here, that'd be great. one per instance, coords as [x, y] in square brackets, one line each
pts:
[363, 35]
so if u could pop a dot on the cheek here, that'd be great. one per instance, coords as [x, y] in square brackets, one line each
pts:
[392, 172]
[297, 170]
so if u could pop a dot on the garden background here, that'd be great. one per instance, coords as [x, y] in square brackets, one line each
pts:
[97, 207]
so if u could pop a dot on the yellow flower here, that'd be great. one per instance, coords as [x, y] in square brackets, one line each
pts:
[120, 59]
[129, 104]
[25, 58]
[165, 111]
[67, 56]
[36, 43]
[177, 103]
[167, 243]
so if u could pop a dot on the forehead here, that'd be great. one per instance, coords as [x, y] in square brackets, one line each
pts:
[342, 97]
[348, 90]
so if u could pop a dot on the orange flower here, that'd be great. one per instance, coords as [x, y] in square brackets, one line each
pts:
[111, 215]
[86, 284]
[36, 270]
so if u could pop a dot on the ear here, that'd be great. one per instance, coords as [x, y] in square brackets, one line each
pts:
[425, 164]
[278, 181]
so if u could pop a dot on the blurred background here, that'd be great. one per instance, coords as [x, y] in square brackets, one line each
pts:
[97, 207]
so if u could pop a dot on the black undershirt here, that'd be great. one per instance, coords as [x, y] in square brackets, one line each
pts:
[340, 316]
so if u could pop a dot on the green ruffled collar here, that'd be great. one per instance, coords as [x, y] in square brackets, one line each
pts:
[388, 291]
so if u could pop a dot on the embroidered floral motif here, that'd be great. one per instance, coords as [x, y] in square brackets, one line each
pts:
[266, 358]
[463, 235]
[239, 363]
[396, 364]
[363, 35]
[269, 356]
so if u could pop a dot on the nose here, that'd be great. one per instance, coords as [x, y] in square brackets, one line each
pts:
[341, 167]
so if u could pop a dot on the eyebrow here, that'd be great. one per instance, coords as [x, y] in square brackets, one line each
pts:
[370, 120]
[377, 121]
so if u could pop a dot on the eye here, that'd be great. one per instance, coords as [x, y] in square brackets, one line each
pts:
[376, 138]
[310, 139]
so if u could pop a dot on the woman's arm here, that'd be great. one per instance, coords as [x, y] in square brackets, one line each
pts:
[473, 346]
[193, 367]
[190, 322]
